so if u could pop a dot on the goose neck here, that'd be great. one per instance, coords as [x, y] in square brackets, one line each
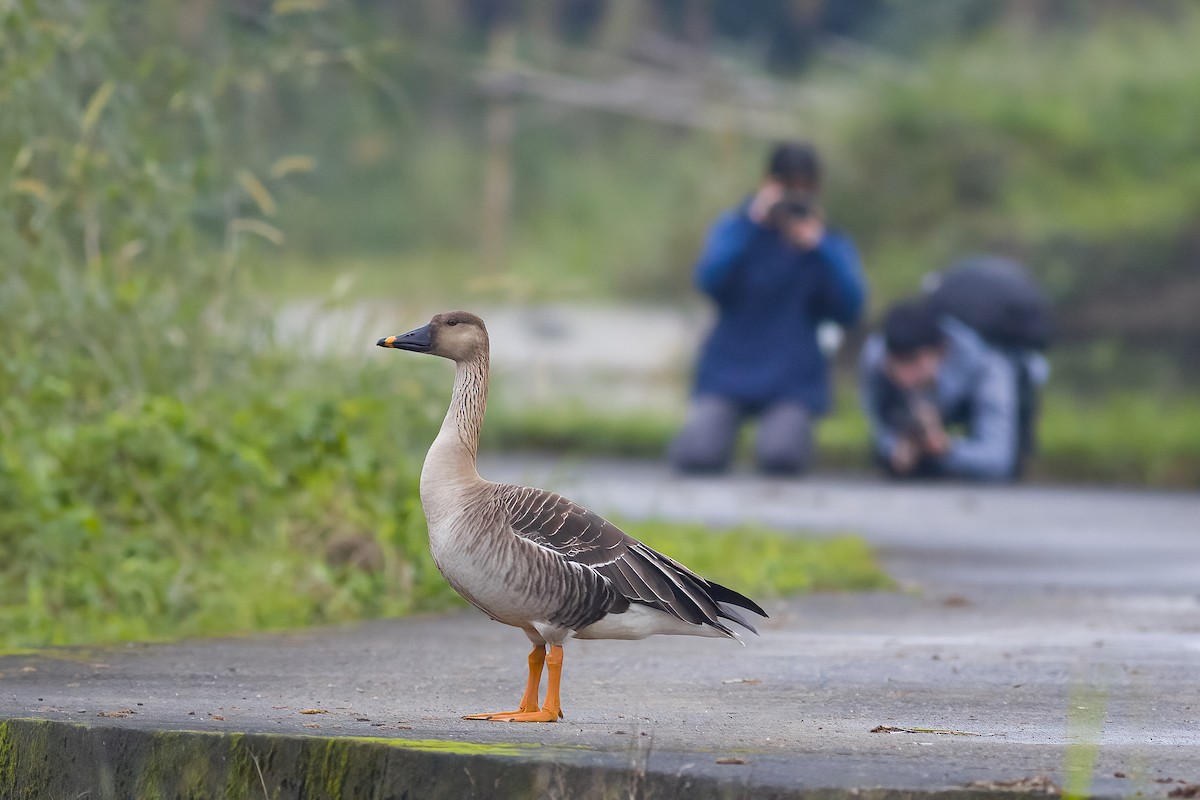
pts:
[464, 419]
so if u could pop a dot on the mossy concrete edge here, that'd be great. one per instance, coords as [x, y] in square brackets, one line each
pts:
[49, 758]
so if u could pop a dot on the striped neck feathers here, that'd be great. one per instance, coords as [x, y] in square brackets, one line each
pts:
[464, 419]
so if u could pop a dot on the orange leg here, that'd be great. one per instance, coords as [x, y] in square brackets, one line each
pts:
[529, 702]
[551, 710]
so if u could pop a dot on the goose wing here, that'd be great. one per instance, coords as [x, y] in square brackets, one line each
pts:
[638, 572]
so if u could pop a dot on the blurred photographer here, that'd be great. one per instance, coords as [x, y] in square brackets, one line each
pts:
[774, 271]
[928, 372]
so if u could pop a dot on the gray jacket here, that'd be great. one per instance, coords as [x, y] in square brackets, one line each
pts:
[976, 385]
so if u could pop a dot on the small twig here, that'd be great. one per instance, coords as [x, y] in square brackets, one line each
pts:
[942, 731]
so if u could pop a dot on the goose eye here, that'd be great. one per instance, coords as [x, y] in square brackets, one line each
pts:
[452, 323]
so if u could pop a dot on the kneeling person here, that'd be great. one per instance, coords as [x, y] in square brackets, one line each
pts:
[941, 401]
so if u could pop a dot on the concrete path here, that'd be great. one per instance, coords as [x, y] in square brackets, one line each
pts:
[1045, 636]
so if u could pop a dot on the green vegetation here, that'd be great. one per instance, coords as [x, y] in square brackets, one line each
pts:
[1070, 155]
[264, 508]
[1124, 438]
[760, 562]
[1062, 144]
[577, 429]
[162, 470]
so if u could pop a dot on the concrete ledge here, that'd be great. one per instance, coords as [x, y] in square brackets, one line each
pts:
[44, 758]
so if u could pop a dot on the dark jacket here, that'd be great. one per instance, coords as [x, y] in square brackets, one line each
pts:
[770, 297]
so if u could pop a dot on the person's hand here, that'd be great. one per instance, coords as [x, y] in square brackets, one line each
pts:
[805, 232]
[764, 200]
[937, 442]
[904, 456]
[933, 439]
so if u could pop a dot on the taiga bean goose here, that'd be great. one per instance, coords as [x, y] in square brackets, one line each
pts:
[533, 559]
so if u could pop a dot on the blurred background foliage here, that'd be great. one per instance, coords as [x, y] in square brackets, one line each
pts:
[173, 171]
[1057, 132]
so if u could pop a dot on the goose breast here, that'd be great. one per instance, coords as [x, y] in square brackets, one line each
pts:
[512, 578]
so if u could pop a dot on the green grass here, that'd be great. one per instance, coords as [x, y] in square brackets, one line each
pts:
[761, 562]
[251, 510]
[573, 428]
[1122, 438]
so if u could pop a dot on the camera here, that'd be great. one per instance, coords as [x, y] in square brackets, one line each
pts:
[917, 418]
[793, 206]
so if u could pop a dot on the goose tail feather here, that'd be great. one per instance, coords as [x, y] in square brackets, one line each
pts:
[732, 613]
[723, 594]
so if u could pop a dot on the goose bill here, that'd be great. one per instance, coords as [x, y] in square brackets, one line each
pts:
[419, 340]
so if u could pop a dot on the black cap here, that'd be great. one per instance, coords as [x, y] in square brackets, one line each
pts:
[911, 325]
[795, 162]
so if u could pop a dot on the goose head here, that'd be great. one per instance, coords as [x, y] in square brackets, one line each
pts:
[456, 335]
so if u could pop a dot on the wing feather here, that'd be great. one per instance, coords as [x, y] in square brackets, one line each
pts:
[639, 573]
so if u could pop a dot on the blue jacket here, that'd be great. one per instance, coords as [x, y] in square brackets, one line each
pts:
[976, 386]
[770, 297]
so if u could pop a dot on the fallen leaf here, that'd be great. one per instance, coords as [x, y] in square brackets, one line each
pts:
[124, 712]
[1186, 790]
[742, 680]
[216, 717]
[311, 725]
[732, 760]
[313, 711]
[28, 669]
